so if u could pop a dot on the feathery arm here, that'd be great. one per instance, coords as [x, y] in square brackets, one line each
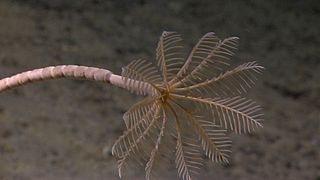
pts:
[62, 71]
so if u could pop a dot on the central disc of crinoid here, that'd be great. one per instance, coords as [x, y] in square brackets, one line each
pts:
[164, 94]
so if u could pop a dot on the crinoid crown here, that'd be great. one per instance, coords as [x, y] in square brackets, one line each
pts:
[192, 103]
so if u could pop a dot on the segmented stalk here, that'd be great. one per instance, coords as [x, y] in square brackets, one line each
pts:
[62, 71]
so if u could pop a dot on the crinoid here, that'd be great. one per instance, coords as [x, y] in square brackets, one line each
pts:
[191, 102]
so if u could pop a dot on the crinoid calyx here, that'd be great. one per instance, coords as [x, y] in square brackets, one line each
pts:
[191, 104]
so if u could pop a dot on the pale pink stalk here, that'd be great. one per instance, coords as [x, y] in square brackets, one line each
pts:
[62, 71]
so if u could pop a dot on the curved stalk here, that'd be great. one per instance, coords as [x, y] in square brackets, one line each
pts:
[63, 71]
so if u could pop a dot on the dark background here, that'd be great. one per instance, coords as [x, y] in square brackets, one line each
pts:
[64, 129]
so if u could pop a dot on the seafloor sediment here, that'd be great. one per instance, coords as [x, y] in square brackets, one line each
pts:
[60, 129]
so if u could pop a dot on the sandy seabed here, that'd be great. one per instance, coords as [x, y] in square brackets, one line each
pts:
[64, 129]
